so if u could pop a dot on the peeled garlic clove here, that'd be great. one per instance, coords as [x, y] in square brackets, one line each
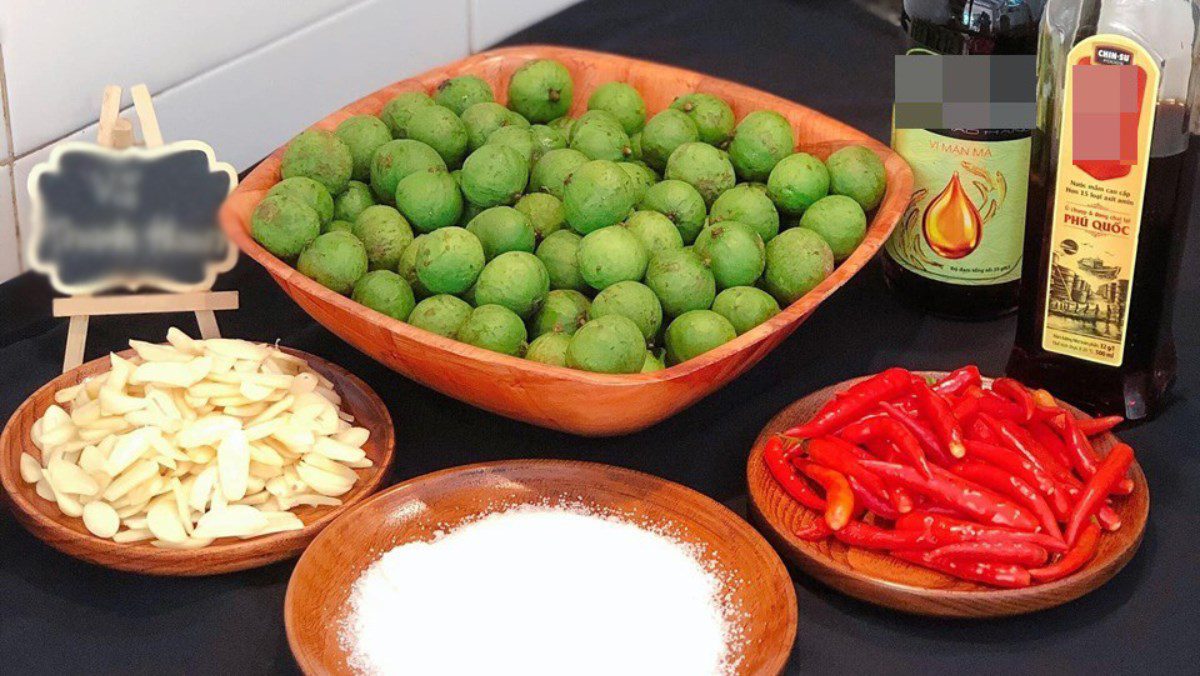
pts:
[67, 394]
[354, 436]
[128, 449]
[279, 522]
[335, 450]
[101, 519]
[236, 349]
[202, 488]
[140, 473]
[166, 374]
[68, 478]
[43, 489]
[321, 481]
[183, 342]
[187, 543]
[233, 465]
[31, 469]
[163, 520]
[153, 352]
[118, 375]
[324, 463]
[231, 521]
[68, 505]
[132, 535]
[207, 431]
[310, 499]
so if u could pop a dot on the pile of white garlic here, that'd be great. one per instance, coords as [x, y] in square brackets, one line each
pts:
[195, 440]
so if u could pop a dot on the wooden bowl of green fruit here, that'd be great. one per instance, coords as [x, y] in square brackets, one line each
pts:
[578, 240]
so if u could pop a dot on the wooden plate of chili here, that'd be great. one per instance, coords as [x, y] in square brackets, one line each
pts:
[883, 579]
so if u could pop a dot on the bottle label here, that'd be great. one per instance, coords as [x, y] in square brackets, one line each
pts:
[1109, 97]
[966, 222]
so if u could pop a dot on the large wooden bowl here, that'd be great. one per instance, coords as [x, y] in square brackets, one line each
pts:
[878, 578]
[559, 398]
[68, 534]
[756, 581]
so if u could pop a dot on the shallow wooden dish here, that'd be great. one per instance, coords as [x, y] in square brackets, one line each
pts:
[317, 594]
[559, 398]
[878, 578]
[68, 535]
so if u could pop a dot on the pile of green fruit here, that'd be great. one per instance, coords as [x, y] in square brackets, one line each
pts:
[584, 242]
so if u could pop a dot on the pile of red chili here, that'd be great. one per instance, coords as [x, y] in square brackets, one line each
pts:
[997, 485]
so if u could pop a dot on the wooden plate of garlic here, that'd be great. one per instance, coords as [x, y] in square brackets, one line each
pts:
[193, 457]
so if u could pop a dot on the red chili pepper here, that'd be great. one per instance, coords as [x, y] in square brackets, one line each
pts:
[995, 551]
[958, 380]
[901, 499]
[887, 427]
[871, 501]
[967, 406]
[839, 497]
[1082, 456]
[1019, 466]
[951, 491]
[941, 419]
[906, 403]
[1097, 426]
[993, 404]
[1074, 559]
[926, 436]
[1106, 515]
[995, 574]
[1005, 483]
[815, 530]
[852, 403]
[1017, 394]
[1112, 469]
[1015, 437]
[981, 432]
[1050, 441]
[792, 483]
[859, 534]
[947, 529]
[839, 455]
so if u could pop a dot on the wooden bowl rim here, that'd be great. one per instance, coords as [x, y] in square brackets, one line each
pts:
[225, 554]
[763, 548]
[1092, 576]
[896, 195]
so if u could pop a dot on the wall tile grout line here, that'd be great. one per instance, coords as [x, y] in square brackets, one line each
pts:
[9, 160]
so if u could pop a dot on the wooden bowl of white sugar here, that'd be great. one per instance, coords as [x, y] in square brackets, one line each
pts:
[540, 567]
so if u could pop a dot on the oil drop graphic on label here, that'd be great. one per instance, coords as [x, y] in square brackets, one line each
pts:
[952, 225]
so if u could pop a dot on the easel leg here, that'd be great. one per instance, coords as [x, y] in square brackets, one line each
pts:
[76, 341]
[207, 321]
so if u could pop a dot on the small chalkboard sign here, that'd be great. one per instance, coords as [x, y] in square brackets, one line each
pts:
[114, 216]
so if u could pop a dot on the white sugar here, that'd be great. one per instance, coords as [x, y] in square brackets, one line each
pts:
[540, 590]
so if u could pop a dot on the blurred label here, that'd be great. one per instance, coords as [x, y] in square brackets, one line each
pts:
[965, 91]
[134, 218]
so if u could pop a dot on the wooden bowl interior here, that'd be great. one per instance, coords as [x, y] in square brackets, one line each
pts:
[560, 398]
[320, 587]
[878, 578]
[68, 534]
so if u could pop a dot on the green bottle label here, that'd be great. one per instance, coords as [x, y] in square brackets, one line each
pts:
[966, 222]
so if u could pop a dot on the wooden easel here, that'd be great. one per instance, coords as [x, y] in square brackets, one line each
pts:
[117, 132]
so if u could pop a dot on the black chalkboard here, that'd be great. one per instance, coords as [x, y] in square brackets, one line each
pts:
[132, 218]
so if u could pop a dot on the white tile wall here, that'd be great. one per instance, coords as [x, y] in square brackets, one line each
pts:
[9, 260]
[494, 20]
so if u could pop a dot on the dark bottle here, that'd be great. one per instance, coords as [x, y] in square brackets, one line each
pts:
[957, 249]
[1114, 163]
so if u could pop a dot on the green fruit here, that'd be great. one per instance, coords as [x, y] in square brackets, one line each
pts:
[679, 202]
[610, 344]
[460, 93]
[745, 307]
[664, 133]
[563, 312]
[796, 182]
[797, 260]
[597, 194]
[655, 231]
[449, 260]
[600, 136]
[549, 348]
[635, 145]
[633, 300]
[397, 112]
[681, 281]
[858, 173]
[385, 233]
[762, 139]
[308, 191]
[494, 175]
[396, 159]
[623, 101]
[321, 156]
[541, 90]
[442, 314]
[363, 134]
[494, 328]
[641, 177]
[749, 204]
[713, 117]
[694, 333]
[610, 255]
[439, 128]
[336, 260]
[653, 363]
[544, 211]
[469, 212]
[348, 205]
[733, 251]
[484, 118]
[284, 225]
[407, 268]
[335, 226]
[502, 229]
[429, 200]
[519, 139]
[560, 254]
[386, 292]
[546, 139]
[840, 221]
[704, 167]
[516, 280]
[563, 124]
[550, 173]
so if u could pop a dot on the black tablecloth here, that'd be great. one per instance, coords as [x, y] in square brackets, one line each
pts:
[58, 615]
